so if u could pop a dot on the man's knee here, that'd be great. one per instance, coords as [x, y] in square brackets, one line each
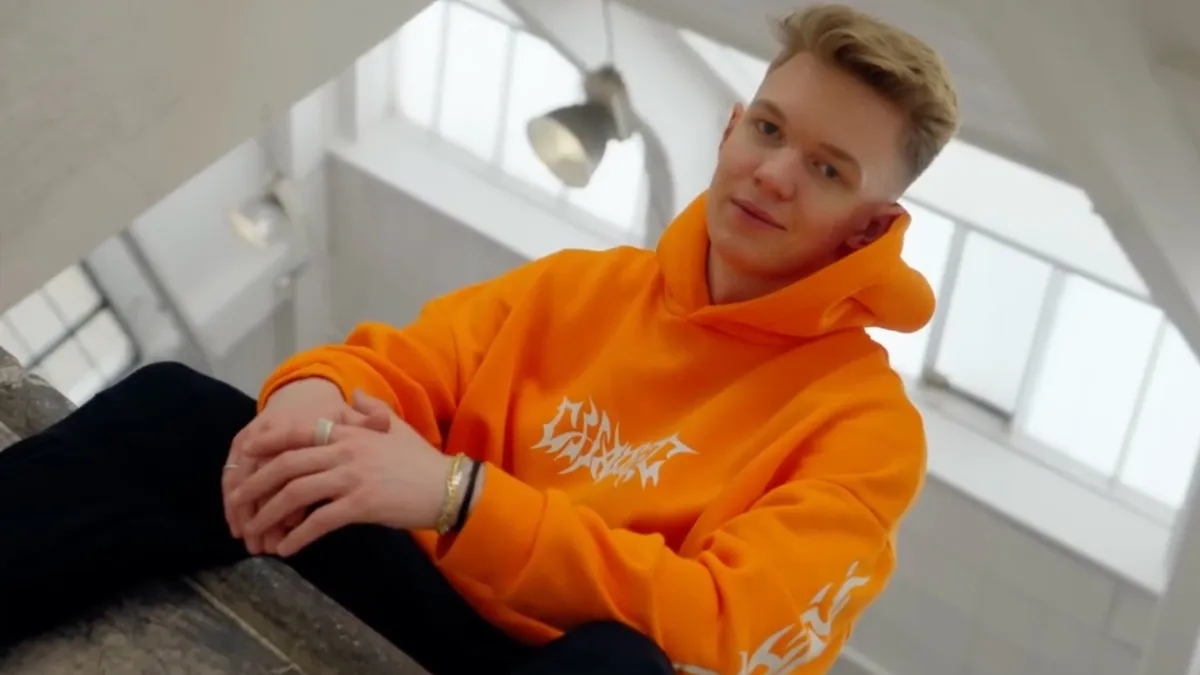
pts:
[162, 377]
[171, 399]
[171, 382]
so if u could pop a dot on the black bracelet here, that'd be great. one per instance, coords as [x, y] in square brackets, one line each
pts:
[465, 507]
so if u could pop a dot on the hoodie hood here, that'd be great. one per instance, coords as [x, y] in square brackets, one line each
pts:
[872, 287]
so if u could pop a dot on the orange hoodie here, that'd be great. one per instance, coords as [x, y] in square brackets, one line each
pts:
[724, 478]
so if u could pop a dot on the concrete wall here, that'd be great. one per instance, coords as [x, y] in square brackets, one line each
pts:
[107, 107]
[975, 594]
[225, 290]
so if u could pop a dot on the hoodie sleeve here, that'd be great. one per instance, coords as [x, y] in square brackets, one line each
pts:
[420, 370]
[771, 590]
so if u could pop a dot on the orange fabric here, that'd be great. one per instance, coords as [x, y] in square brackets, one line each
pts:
[726, 479]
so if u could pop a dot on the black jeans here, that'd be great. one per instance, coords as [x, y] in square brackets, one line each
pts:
[128, 488]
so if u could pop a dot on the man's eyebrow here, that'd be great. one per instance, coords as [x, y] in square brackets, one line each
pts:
[841, 154]
[769, 106]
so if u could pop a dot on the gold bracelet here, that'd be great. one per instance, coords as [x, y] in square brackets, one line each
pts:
[454, 497]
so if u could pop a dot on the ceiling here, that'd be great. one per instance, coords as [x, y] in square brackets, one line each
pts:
[1173, 26]
[994, 116]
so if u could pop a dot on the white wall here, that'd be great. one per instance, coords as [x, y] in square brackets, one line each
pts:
[975, 593]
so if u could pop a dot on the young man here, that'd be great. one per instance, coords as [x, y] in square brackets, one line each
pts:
[631, 461]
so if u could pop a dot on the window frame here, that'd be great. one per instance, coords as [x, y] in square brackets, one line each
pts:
[560, 197]
[986, 418]
[34, 359]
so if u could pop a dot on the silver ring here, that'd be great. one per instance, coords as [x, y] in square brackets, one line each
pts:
[324, 431]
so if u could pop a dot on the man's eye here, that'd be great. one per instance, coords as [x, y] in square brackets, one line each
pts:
[828, 171]
[768, 129]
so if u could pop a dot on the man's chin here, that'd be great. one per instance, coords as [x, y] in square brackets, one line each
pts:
[746, 254]
[761, 257]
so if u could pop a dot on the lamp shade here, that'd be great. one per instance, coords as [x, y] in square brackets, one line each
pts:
[571, 140]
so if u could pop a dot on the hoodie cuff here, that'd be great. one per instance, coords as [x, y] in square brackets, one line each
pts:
[495, 543]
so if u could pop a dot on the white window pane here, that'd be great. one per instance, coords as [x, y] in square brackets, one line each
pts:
[36, 323]
[476, 50]
[68, 370]
[926, 248]
[612, 195]
[1083, 396]
[993, 315]
[73, 294]
[1166, 437]
[498, 9]
[12, 344]
[418, 55]
[107, 344]
[542, 80]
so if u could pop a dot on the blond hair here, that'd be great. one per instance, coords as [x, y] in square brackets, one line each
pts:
[898, 66]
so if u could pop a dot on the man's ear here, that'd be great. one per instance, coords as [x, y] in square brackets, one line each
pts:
[734, 116]
[877, 225]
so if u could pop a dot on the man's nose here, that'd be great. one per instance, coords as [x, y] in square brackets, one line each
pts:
[776, 174]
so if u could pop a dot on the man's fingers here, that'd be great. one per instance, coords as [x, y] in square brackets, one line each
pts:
[237, 468]
[242, 515]
[253, 542]
[231, 478]
[330, 517]
[378, 414]
[258, 425]
[351, 417]
[283, 437]
[380, 423]
[283, 469]
[272, 538]
[297, 495]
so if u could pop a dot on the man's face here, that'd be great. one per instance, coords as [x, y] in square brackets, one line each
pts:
[809, 172]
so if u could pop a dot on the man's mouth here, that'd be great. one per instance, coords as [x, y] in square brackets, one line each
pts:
[757, 214]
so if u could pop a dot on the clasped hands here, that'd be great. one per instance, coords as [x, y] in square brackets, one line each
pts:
[282, 491]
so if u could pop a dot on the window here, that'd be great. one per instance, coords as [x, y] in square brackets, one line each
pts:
[469, 70]
[67, 333]
[473, 80]
[1084, 392]
[1040, 213]
[1161, 454]
[613, 192]
[993, 316]
[497, 10]
[419, 51]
